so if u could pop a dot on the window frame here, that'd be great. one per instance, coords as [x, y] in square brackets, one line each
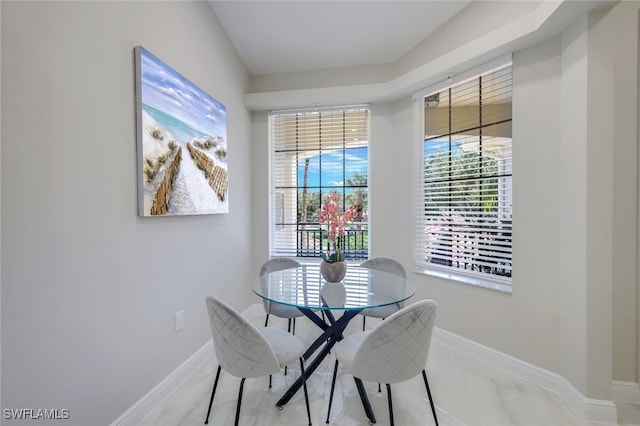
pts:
[420, 264]
[286, 210]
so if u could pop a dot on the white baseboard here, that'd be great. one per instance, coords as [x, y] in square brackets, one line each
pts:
[162, 390]
[594, 411]
[625, 391]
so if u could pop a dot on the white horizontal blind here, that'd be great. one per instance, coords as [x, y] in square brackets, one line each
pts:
[315, 153]
[465, 192]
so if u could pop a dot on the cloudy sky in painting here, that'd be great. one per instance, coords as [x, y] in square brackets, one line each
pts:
[167, 90]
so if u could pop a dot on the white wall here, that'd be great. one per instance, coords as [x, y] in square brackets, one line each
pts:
[625, 193]
[465, 28]
[0, 222]
[572, 204]
[524, 323]
[260, 187]
[390, 168]
[89, 289]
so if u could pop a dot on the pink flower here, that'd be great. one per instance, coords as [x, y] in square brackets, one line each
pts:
[330, 215]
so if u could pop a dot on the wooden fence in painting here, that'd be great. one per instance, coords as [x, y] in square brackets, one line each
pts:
[216, 176]
[160, 204]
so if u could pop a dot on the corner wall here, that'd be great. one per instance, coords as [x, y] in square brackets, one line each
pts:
[573, 307]
[89, 289]
[625, 193]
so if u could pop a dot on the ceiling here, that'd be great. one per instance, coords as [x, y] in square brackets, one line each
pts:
[274, 37]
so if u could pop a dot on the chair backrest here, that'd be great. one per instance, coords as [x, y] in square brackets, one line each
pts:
[240, 348]
[278, 264]
[272, 265]
[385, 264]
[396, 349]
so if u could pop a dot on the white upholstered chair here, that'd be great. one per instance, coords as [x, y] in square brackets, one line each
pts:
[391, 266]
[394, 351]
[278, 309]
[246, 351]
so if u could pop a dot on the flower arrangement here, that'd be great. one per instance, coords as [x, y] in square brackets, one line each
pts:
[330, 215]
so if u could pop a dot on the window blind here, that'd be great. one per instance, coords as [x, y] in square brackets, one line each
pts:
[314, 153]
[464, 211]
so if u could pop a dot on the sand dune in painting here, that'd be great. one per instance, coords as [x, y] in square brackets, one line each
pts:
[183, 177]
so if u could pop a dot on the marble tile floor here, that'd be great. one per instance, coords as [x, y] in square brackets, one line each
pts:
[628, 414]
[466, 391]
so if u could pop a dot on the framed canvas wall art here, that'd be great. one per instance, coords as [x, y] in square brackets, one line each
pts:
[181, 142]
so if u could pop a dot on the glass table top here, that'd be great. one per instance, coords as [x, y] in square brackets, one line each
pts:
[361, 288]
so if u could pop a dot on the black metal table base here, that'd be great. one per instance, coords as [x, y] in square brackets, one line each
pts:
[332, 333]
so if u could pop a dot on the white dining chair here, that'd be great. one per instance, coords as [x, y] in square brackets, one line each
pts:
[393, 351]
[383, 264]
[278, 309]
[246, 351]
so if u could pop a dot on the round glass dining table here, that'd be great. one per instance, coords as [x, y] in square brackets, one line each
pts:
[306, 289]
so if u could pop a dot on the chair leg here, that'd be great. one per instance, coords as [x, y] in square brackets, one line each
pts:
[239, 400]
[366, 404]
[306, 395]
[289, 331]
[333, 385]
[266, 320]
[390, 404]
[364, 319]
[433, 408]
[269, 381]
[213, 392]
[294, 327]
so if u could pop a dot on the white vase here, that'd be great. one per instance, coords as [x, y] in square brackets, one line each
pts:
[333, 272]
[333, 295]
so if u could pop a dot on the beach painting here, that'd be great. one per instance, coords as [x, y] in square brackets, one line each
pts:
[181, 141]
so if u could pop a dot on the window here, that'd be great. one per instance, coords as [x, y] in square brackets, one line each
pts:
[465, 180]
[315, 153]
